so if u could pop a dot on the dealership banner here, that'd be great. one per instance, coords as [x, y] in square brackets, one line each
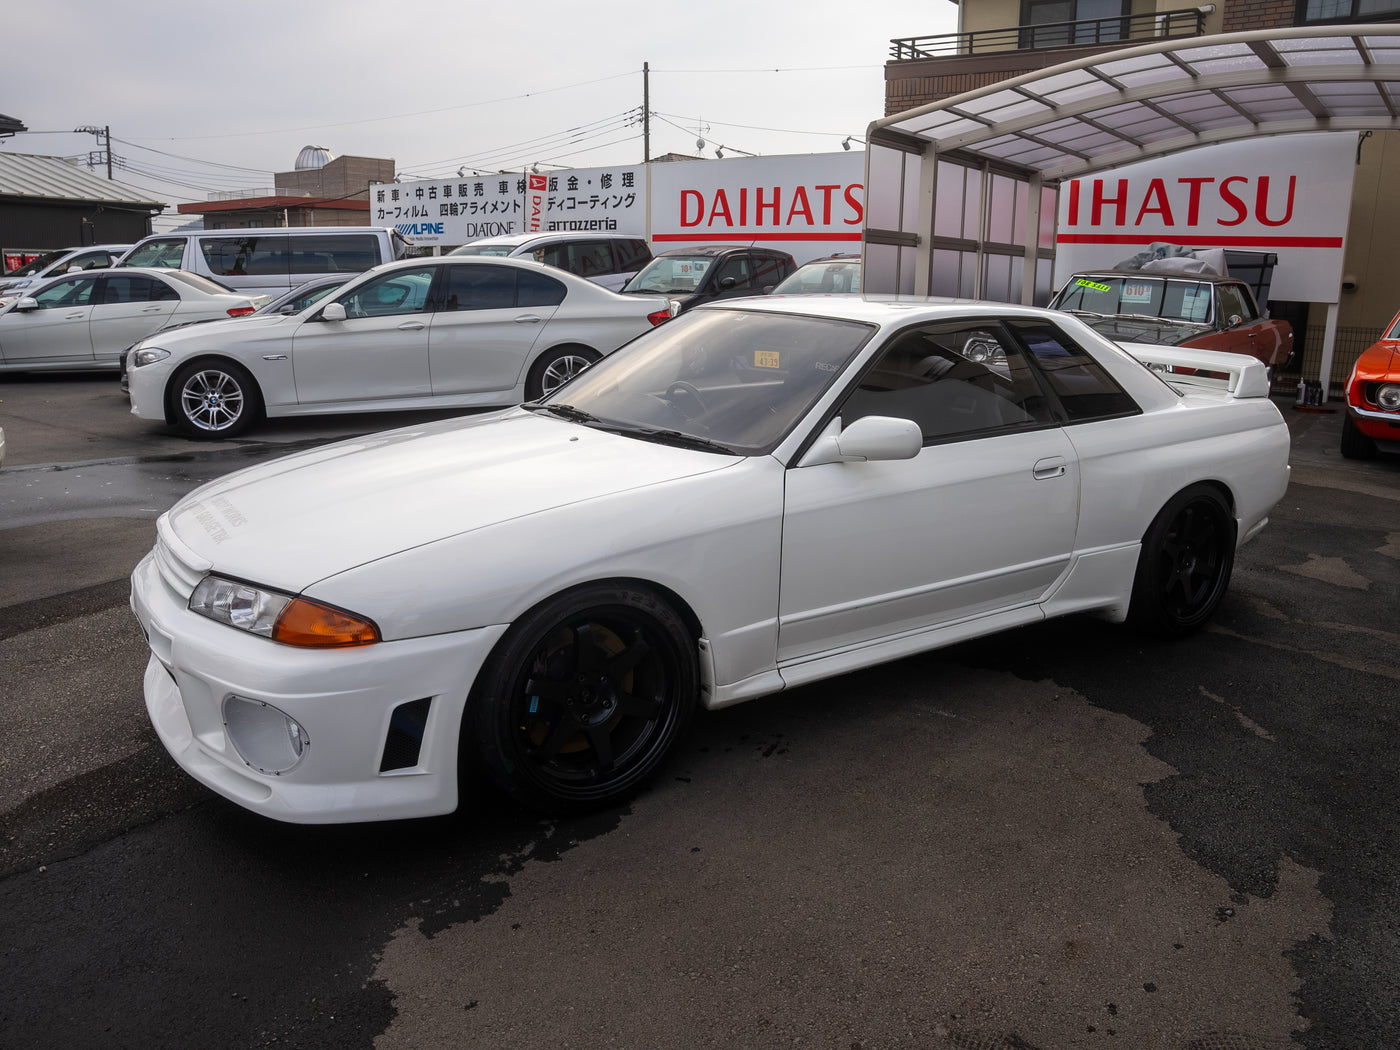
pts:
[1289, 194]
[808, 205]
[455, 211]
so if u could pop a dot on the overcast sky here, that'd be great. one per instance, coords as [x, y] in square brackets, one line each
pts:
[203, 96]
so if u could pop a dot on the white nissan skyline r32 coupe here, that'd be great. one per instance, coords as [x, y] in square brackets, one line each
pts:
[753, 496]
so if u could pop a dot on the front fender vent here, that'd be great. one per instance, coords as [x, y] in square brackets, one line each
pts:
[404, 740]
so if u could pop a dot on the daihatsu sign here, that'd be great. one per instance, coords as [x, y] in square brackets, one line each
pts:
[1288, 194]
[809, 205]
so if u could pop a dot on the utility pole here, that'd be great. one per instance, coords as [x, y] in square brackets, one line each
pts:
[104, 136]
[646, 112]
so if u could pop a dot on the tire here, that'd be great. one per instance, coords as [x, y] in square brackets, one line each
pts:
[1356, 445]
[584, 697]
[1184, 568]
[214, 399]
[556, 367]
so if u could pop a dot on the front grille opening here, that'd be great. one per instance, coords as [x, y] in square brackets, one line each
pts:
[405, 737]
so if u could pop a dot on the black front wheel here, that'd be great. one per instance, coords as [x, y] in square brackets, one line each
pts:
[1355, 445]
[1184, 568]
[584, 697]
[555, 368]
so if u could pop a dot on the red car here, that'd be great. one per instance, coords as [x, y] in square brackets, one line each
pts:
[1201, 310]
[1373, 399]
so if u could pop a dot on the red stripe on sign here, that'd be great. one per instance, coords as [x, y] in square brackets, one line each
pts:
[1209, 240]
[755, 236]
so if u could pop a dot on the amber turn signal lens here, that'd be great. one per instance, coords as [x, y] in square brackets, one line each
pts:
[313, 625]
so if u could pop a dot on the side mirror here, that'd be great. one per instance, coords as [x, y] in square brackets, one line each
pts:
[870, 439]
[333, 312]
[726, 283]
[1236, 320]
[28, 302]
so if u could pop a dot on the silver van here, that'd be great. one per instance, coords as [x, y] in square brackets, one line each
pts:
[270, 259]
[609, 259]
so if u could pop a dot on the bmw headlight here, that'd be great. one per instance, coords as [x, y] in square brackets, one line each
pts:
[1388, 397]
[147, 356]
[281, 617]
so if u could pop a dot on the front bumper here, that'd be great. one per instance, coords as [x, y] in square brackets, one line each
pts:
[345, 700]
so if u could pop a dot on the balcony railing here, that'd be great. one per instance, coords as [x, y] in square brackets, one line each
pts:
[1084, 32]
[263, 191]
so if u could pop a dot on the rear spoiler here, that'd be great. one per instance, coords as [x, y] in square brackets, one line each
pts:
[1238, 374]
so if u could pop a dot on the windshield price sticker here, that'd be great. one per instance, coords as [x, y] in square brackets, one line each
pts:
[1094, 286]
[1136, 293]
[765, 359]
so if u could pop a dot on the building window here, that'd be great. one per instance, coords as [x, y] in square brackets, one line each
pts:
[1043, 22]
[1313, 11]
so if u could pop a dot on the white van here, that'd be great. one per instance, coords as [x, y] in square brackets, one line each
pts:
[609, 259]
[270, 259]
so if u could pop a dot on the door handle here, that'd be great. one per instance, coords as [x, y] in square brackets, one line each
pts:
[1053, 467]
[528, 319]
[412, 326]
[75, 317]
[150, 309]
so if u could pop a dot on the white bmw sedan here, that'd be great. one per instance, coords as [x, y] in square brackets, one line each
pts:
[419, 333]
[753, 496]
[85, 320]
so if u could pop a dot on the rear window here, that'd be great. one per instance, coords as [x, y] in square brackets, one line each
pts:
[1080, 383]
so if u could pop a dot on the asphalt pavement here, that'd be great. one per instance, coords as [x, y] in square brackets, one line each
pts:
[1063, 836]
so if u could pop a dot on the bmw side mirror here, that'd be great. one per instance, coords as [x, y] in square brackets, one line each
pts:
[333, 312]
[28, 302]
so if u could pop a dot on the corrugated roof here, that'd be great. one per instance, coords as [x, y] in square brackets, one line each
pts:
[31, 175]
[1122, 106]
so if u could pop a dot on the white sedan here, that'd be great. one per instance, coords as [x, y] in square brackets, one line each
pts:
[85, 320]
[420, 333]
[751, 497]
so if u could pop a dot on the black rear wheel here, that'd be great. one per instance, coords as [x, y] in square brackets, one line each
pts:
[1184, 568]
[584, 697]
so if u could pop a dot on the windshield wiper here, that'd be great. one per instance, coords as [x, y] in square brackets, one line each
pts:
[667, 437]
[569, 412]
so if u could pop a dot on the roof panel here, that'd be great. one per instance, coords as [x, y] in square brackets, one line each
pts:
[33, 175]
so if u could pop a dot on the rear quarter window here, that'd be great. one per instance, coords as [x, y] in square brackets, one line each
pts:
[1082, 386]
[333, 253]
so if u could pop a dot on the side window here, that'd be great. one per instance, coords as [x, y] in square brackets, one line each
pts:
[397, 292]
[590, 259]
[76, 291]
[135, 288]
[1080, 383]
[736, 267]
[631, 255]
[165, 255]
[1235, 303]
[954, 379]
[245, 256]
[333, 253]
[478, 288]
[535, 289]
[768, 271]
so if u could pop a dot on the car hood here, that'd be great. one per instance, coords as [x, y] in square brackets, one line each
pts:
[1133, 329]
[178, 334]
[297, 520]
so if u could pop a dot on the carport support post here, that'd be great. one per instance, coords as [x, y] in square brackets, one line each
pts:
[1032, 234]
[1329, 342]
[928, 186]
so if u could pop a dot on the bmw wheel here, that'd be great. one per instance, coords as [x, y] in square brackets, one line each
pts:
[555, 368]
[214, 399]
[584, 698]
[1184, 568]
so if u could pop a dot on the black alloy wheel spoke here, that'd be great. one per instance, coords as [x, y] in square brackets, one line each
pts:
[564, 731]
[619, 666]
[601, 740]
[647, 708]
[555, 690]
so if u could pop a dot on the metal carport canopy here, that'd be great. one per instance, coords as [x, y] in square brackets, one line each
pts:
[1124, 106]
[1129, 105]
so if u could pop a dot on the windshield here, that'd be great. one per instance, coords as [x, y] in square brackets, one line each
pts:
[483, 249]
[37, 265]
[298, 299]
[672, 274]
[823, 278]
[1170, 299]
[740, 380]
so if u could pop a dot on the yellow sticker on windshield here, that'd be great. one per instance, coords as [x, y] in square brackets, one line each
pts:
[1094, 285]
[765, 359]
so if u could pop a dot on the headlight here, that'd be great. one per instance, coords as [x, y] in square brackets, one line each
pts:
[148, 357]
[281, 617]
[1388, 397]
